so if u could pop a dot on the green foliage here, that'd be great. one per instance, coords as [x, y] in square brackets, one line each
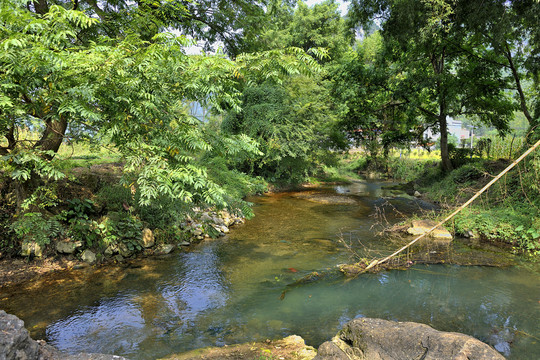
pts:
[404, 169]
[370, 113]
[318, 26]
[33, 226]
[506, 147]
[163, 213]
[293, 123]
[122, 228]
[507, 224]
[236, 184]
[459, 156]
[455, 186]
[112, 198]
[171, 234]
[22, 164]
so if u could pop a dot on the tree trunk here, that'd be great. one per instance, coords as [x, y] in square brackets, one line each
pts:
[53, 135]
[438, 63]
[445, 155]
[519, 88]
[41, 6]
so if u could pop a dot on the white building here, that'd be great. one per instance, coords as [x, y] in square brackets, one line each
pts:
[455, 127]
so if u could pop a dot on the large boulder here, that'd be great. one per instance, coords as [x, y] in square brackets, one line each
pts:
[377, 339]
[15, 342]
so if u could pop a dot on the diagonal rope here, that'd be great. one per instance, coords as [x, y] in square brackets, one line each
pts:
[488, 185]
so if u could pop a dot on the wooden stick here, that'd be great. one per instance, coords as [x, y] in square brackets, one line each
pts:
[517, 161]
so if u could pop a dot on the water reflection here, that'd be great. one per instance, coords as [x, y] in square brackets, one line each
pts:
[228, 291]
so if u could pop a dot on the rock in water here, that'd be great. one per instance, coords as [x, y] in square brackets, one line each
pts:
[164, 249]
[377, 339]
[422, 226]
[15, 343]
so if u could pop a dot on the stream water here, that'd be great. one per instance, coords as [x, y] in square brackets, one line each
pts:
[228, 290]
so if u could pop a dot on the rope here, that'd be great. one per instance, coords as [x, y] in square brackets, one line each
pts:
[493, 181]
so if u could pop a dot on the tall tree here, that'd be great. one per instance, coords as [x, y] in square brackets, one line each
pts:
[511, 30]
[437, 77]
[214, 22]
[369, 111]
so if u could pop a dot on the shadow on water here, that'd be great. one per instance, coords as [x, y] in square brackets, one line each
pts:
[228, 291]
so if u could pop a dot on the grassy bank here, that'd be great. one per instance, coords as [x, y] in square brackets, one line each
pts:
[508, 213]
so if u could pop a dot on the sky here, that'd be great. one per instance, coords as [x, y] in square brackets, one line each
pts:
[342, 5]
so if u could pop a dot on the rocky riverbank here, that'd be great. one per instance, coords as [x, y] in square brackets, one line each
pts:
[377, 339]
[16, 344]
[66, 254]
[360, 339]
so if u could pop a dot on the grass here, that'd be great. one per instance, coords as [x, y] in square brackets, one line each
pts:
[507, 213]
[84, 155]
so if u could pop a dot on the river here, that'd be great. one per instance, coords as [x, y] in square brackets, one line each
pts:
[228, 290]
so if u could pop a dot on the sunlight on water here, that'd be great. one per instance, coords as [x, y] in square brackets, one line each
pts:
[228, 291]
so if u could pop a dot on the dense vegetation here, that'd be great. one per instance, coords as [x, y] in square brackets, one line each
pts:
[286, 89]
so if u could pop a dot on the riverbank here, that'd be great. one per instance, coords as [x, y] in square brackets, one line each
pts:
[68, 256]
[228, 291]
[93, 220]
[507, 215]
[360, 339]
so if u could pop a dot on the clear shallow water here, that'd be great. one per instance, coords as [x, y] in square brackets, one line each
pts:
[228, 291]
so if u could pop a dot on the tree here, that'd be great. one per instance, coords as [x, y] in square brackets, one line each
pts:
[369, 112]
[511, 30]
[229, 23]
[319, 26]
[291, 121]
[438, 78]
[127, 91]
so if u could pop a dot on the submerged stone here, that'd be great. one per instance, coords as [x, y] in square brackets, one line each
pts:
[420, 227]
[292, 347]
[164, 249]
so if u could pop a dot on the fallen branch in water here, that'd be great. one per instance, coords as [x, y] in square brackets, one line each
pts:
[517, 161]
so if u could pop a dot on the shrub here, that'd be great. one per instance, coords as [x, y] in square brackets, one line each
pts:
[33, 226]
[122, 228]
[80, 226]
[114, 197]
